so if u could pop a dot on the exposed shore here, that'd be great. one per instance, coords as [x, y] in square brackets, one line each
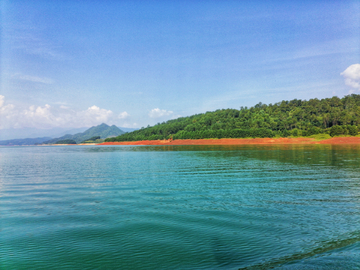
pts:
[335, 140]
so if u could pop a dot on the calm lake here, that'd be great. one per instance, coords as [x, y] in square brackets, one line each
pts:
[180, 207]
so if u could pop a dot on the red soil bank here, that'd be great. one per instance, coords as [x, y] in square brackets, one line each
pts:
[341, 140]
[337, 140]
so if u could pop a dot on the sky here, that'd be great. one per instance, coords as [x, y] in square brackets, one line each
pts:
[77, 63]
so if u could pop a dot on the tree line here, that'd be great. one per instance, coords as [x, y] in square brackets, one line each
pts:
[333, 116]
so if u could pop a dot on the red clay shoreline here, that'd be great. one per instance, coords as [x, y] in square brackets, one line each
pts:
[335, 140]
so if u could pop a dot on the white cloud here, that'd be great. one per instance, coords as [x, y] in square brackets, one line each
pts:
[6, 112]
[49, 117]
[123, 115]
[157, 113]
[352, 76]
[2, 98]
[94, 116]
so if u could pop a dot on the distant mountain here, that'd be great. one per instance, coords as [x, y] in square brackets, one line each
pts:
[70, 131]
[21, 133]
[27, 141]
[57, 133]
[103, 130]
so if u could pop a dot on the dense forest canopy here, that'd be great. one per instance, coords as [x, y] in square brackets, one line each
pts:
[66, 141]
[95, 139]
[332, 116]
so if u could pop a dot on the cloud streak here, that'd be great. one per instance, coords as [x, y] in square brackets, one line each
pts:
[34, 79]
[28, 38]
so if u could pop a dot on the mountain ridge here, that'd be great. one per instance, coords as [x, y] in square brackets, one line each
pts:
[103, 130]
[25, 141]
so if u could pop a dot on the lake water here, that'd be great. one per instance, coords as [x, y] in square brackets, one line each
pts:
[180, 207]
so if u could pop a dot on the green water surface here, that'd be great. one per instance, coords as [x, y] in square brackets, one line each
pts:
[180, 207]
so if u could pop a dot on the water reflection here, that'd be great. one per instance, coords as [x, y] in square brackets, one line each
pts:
[146, 148]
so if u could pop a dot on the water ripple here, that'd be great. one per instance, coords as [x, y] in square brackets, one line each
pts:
[179, 207]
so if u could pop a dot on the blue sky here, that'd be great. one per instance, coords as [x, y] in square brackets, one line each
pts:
[136, 63]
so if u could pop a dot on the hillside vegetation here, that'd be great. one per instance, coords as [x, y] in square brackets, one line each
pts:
[67, 141]
[333, 116]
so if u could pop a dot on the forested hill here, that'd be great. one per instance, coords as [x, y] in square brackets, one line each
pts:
[102, 130]
[332, 116]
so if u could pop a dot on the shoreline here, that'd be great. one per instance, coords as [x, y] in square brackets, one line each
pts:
[241, 141]
[227, 141]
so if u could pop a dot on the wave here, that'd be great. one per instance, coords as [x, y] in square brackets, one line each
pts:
[323, 247]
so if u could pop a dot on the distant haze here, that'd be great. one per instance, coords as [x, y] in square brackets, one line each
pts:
[10, 134]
